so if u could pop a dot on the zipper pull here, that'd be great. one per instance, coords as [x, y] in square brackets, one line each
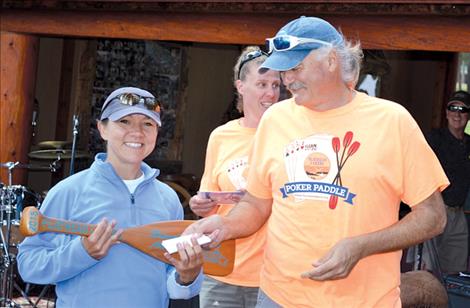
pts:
[132, 199]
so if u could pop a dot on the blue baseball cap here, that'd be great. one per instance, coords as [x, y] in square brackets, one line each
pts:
[321, 31]
[113, 109]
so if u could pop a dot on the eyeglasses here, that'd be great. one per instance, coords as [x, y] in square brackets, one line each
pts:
[287, 42]
[460, 109]
[248, 57]
[132, 99]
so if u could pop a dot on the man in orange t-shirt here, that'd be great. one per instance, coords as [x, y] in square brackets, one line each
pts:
[329, 168]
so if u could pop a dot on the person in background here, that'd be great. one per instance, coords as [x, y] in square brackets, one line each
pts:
[225, 170]
[452, 147]
[329, 168]
[118, 191]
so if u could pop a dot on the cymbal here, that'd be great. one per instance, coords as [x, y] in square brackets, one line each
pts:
[57, 154]
[54, 144]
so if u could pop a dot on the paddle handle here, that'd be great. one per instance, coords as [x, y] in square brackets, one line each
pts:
[67, 227]
[33, 222]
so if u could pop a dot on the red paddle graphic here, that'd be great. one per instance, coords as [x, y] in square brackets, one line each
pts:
[353, 149]
[333, 201]
[336, 144]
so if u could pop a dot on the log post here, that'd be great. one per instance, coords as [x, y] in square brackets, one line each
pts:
[19, 56]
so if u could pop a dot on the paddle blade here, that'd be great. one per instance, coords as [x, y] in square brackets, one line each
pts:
[333, 202]
[336, 143]
[148, 239]
[347, 139]
[354, 147]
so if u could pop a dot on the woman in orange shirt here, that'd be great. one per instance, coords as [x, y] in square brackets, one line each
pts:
[225, 170]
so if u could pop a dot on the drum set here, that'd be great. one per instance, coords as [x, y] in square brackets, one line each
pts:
[13, 199]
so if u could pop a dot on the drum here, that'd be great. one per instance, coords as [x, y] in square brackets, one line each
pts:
[13, 199]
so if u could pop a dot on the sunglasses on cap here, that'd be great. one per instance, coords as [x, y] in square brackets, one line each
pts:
[287, 42]
[456, 108]
[132, 99]
[248, 57]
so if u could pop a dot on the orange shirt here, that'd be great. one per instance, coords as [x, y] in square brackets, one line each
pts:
[226, 170]
[382, 158]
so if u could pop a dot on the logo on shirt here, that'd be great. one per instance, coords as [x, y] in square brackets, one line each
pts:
[314, 167]
[237, 172]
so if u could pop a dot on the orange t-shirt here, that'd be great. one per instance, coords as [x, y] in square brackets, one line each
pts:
[382, 158]
[226, 170]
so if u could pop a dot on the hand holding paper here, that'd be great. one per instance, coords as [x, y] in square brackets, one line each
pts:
[222, 197]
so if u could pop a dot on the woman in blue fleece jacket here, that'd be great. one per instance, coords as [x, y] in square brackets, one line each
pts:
[118, 191]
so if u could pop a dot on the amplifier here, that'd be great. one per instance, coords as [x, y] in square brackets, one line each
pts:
[458, 290]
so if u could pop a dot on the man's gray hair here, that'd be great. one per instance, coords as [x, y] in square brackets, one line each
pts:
[350, 57]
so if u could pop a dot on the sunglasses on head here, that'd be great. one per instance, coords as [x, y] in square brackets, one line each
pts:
[287, 42]
[132, 99]
[248, 57]
[456, 108]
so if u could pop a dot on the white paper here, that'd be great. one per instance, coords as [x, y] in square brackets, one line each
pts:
[170, 245]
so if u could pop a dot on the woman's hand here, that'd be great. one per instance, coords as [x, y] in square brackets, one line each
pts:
[190, 261]
[98, 243]
[202, 207]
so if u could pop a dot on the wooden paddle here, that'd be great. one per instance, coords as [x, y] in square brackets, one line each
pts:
[146, 238]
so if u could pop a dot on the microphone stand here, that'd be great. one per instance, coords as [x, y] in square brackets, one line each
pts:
[75, 133]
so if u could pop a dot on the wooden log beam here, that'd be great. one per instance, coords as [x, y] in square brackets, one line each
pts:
[307, 7]
[18, 76]
[437, 33]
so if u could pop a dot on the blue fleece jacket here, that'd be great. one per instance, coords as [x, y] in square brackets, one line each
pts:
[125, 277]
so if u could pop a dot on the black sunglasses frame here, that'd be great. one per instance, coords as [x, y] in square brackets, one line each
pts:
[132, 99]
[459, 109]
[249, 57]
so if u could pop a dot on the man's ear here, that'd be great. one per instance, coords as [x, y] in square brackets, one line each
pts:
[332, 60]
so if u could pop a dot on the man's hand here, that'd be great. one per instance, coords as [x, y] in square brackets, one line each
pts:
[190, 263]
[211, 226]
[426, 220]
[98, 243]
[202, 207]
[337, 263]
[244, 219]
